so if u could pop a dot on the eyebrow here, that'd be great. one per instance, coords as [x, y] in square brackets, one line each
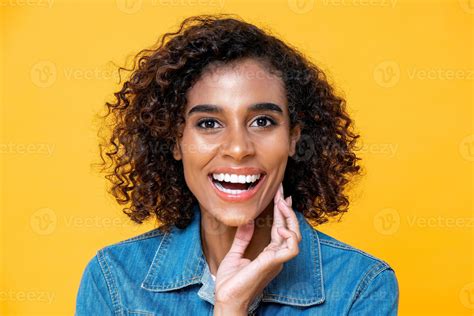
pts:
[211, 108]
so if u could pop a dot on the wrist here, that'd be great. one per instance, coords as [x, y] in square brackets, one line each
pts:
[221, 309]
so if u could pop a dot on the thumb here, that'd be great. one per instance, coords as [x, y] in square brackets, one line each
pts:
[242, 238]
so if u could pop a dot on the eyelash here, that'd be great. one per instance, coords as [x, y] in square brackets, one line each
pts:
[272, 122]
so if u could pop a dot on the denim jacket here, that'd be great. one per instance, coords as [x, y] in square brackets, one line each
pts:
[159, 273]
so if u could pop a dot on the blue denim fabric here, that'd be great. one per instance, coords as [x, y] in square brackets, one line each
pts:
[166, 274]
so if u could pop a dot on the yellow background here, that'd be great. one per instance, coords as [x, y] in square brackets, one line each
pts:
[405, 67]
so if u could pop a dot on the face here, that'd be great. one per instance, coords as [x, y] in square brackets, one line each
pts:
[236, 140]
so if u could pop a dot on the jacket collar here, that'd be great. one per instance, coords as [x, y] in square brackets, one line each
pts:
[180, 262]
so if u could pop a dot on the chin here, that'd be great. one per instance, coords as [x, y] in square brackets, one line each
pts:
[236, 216]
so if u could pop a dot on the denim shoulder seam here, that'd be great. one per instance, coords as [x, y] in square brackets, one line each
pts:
[150, 234]
[113, 292]
[350, 248]
[154, 263]
[318, 257]
[368, 277]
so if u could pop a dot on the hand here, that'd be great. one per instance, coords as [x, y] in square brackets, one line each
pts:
[239, 280]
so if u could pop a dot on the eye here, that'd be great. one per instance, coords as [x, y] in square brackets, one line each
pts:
[263, 120]
[207, 123]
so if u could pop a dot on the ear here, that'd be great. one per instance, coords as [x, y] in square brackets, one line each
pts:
[295, 135]
[177, 151]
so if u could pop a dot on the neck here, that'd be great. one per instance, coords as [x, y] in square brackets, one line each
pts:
[216, 242]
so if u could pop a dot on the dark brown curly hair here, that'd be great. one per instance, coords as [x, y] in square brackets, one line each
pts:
[148, 112]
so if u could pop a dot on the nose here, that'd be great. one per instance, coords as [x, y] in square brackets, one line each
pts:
[237, 145]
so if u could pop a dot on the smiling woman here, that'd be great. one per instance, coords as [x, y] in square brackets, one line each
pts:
[216, 125]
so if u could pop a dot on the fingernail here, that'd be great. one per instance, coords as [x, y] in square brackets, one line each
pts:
[291, 200]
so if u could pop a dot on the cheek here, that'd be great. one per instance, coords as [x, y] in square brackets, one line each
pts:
[195, 147]
[196, 152]
[275, 148]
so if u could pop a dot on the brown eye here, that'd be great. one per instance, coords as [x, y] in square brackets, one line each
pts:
[207, 124]
[263, 120]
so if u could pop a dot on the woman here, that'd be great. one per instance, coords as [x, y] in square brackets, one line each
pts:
[216, 125]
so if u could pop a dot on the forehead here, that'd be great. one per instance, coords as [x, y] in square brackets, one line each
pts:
[237, 85]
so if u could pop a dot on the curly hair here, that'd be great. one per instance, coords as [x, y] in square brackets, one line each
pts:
[148, 111]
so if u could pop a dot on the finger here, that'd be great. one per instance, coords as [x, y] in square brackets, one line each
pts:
[278, 194]
[278, 219]
[242, 238]
[291, 250]
[290, 218]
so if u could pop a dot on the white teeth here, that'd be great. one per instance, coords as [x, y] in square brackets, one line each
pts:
[235, 178]
[221, 188]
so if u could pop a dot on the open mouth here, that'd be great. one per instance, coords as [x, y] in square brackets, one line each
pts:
[230, 184]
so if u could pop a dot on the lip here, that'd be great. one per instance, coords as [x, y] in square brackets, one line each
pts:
[244, 196]
[240, 171]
